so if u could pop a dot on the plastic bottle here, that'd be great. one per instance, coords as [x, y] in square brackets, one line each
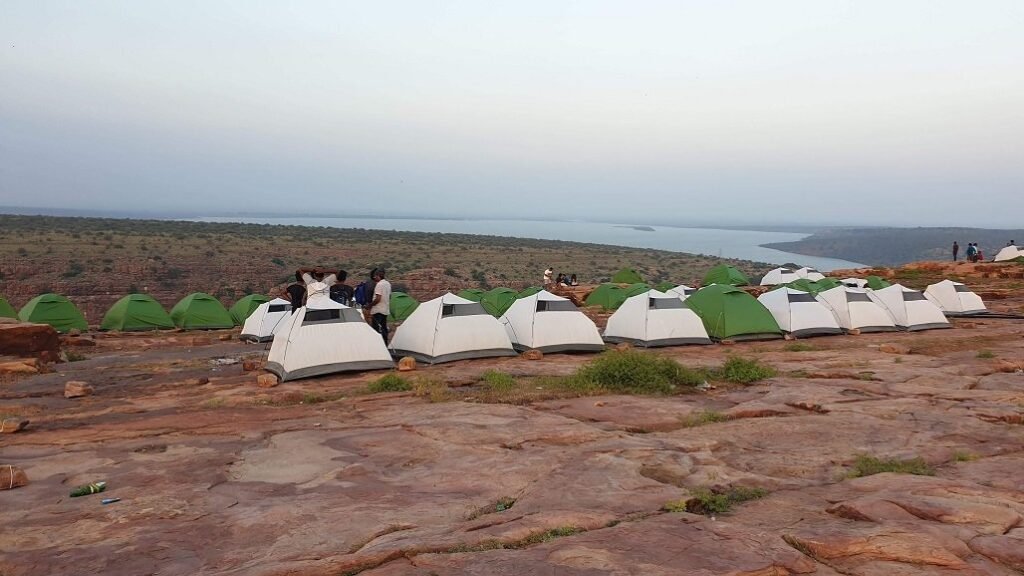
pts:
[87, 489]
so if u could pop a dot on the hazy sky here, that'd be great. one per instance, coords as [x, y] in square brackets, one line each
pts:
[858, 112]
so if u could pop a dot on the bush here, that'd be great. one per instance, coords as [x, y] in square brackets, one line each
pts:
[743, 370]
[635, 372]
[498, 380]
[389, 383]
[866, 465]
[715, 501]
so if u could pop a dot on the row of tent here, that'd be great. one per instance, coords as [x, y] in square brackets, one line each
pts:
[1010, 253]
[319, 341]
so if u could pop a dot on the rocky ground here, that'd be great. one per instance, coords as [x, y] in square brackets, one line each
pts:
[219, 476]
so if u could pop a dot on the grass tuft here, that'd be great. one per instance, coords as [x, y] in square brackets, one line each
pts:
[963, 456]
[635, 372]
[743, 370]
[986, 354]
[866, 465]
[798, 347]
[710, 501]
[703, 417]
[389, 383]
[498, 380]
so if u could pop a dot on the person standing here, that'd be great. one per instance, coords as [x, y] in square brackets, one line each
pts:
[956, 249]
[547, 277]
[318, 286]
[381, 305]
[296, 292]
[342, 292]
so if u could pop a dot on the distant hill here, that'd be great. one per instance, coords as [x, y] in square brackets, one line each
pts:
[895, 246]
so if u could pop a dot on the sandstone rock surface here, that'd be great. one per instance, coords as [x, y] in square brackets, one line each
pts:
[28, 340]
[77, 389]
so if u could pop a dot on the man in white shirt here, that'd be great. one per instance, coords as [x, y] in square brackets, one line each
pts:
[381, 305]
[547, 277]
[318, 287]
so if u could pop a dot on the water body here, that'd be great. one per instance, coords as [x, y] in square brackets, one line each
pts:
[742, 244]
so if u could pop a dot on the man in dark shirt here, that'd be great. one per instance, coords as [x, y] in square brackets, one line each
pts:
[296, 292]
[342, 292]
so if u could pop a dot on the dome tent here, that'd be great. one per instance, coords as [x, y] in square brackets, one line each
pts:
[725, 274]
[200, 311]
[6, 310]
[472, 294]
[324, 340]
[261, 324]
[731, 313]
[401, 306]
[528, 291]
[497, 300]
[550, 323]
[246, 306]
[655, 318]
[683, 291]
[781, 275]
[854, 310]
[136, 312]
[909, 309]
[810, 273]
[608, 296]
[798, 313]
[627, 276]
[55, 310]
[664, 286]
[954, 298]
[876, 282]
[450, 328]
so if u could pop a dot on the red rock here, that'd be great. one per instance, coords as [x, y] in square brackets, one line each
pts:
[853, 332]
[1003, 549]
[198, 381]
[1007, 366]
[894, 349]
[224, 337]
[407, 364]
[12, 425]
[201, 341]
[250, 365]
[28, 340]
[77, 389]
[19, 367]
[727, 342]
[77, 341]
[533, 354]
[266, 380]
[11, 477]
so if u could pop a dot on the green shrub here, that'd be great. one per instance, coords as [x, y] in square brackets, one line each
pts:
[986, 354]
[635, 372]
[744, 370]
[866, 465]
[715, 501]
[389, 383]
[703, 417]
[498, 380]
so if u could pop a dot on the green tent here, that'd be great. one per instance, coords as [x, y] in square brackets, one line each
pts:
[136, 312]
[664, 286]
[6, 310]
[498, 300]
[802, 284]
[609, 296]
[246, 306]
[627, 276]
[877, 283]
[826, 284]
[529, 291]
[55, 310]
[402, 305]
[634, 289]
[724, 274]
[474, 294]
[728, 312]
[199, 311]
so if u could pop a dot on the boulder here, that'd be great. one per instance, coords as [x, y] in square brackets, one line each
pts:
[12, 425]
[11, 477]
[266, 380]
[28, 366]
[407, 364]
[77, 389]
[894, 349]
[28, 340]
[533, 354]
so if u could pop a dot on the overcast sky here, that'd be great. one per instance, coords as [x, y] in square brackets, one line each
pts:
[822, 112]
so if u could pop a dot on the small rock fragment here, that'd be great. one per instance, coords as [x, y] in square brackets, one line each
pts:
[74, 332]
[11, 477]
[853, 331]
[250, 365]
[1007, 366]
[224, 337]
[12, 425]
[266, 380]
[623, 346]
[407, 364]
[533, 354]
[201, 341]
[727, 342]
[198, 381]
[19, 367]
[77, 389]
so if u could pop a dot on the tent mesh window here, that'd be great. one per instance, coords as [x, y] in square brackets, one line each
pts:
[800, 297]
[912, 296]
[279, 308]
[331, 316]
[962, 288]
[857, 297]
[555, 306]
[472, 309]
[664, 303]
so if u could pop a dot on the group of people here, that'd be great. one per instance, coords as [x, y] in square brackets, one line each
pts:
[314, 287]
[973, 253]
[560, 280]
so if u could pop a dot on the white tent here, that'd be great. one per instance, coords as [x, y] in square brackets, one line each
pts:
[323, 340]
[810, 273]
[1008, 253]
[854, 310]
[780, 275]
[450, 328]
[655, 319]
[854, 282]
[953, 298]
[260, 325]
[798, 313]
[682, 290]
[550, 323]
[909, 309]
